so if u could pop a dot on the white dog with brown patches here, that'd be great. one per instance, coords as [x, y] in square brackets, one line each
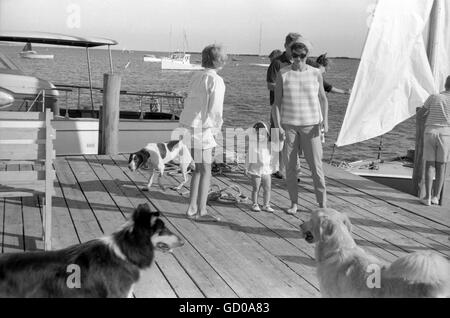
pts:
[346, 270]
[157, 155]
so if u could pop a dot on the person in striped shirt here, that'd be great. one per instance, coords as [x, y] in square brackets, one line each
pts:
[301, 108]
[436, 148]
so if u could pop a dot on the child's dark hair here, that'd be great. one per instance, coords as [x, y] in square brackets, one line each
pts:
[262, 125]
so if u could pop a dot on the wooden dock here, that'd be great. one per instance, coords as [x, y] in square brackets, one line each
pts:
[248, 254]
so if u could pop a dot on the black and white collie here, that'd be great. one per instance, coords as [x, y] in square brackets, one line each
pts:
[156, 155]
[106, 267]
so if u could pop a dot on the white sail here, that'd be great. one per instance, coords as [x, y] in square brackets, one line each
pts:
[443, 46]
[394, 76]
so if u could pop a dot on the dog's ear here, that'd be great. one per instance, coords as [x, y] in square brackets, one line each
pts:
[347, 222]
[145, 155]
[130, 158]
[326, 228]
[143, 217]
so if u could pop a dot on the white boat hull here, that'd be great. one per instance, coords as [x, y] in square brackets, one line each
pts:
[37, 56]
[79, 136]
[168, 64]
[392, 173]
[260, 64]
[152, 59]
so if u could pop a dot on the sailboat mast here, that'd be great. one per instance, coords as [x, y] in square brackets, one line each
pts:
[433, 39]
[170, 40]
[260, 39]
[185, 42]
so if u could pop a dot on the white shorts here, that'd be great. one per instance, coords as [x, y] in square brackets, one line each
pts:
[436, 144]
[199, 140]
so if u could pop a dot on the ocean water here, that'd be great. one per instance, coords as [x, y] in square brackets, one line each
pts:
[246, 97]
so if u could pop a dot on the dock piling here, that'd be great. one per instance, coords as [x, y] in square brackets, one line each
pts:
[109, 121]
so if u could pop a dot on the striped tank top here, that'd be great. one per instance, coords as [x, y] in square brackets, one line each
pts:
[300, 104]
[439, 107]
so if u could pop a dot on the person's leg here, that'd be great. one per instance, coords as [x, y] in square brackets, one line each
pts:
[193, 195]
[442, 156]
[205, 180]
[439, 182]
[256, 185]
[282, 162]
[267, 186]
[312, 150]
[299, 167]
[193, 191]
[281, 173]
[430, 139]
[429, 165]
[291, 146]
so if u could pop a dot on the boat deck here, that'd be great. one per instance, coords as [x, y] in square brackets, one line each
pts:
[248, 254]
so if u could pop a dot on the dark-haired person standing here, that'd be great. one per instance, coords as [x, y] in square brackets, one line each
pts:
[300, 108]
[322, 63]
[275, 66]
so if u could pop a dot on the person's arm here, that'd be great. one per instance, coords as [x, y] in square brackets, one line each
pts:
[276, 107]
[323, 103]
[425, 109]
[272, 72]
[214, 109]
[340, 91]
[247, 162]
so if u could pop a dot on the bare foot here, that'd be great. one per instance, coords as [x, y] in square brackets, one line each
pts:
[192, 210]
[292, 210]
[207, 218]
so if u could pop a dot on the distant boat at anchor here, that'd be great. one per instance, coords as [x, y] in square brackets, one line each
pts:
[29, 53]
[151, 58]
[179, 61]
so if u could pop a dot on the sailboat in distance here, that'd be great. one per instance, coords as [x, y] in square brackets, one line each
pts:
[29, 53]
[180, 61]
[260, 55]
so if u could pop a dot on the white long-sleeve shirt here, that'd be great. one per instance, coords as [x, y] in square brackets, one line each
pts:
[203, 107]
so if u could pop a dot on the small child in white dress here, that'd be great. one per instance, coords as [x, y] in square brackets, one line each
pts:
[260, 164]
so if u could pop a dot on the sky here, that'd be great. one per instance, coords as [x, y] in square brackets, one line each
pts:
[338, 27]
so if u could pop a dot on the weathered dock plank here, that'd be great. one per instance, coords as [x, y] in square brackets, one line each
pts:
[280, 201]
[13, 236]
[248, 268]
[278, 237]
[100, 202]
[124, 187]
[382, 227]
[202, 273]
[32, 222]
[387, 216]
[83, 218]
[63, 227]
[392, 196]
[247, 254]
[395, 213]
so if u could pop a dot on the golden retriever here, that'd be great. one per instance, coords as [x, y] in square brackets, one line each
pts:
[346, 270]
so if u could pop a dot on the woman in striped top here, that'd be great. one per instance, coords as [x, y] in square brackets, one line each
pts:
[300, 109]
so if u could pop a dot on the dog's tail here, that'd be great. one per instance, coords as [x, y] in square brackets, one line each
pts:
[426, 268]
